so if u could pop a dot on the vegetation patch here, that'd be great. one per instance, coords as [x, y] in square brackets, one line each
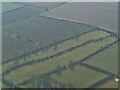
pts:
[106, 60]
[19, 75]
[59, 47]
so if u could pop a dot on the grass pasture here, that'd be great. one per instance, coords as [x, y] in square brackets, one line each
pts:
[80, 77]
[4, 86]
[26, 72]
[62, 46]
[107, 60]
[110, 84]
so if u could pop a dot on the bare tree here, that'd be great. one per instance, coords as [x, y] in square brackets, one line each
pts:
[71, 65]
[58, 68]
[76, 36]
[24, 57]
[55, 45]
[16, 62]
[34, 83]
[70, 85]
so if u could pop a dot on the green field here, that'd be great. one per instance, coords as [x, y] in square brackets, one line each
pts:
[110, 84]
[7, 6]
[4, 86]
[80, 77]
[26, 72]
[62, 46]
[107, 60]
[1, 85]
[84, 56]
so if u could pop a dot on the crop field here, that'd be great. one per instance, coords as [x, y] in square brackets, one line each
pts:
[60, 47]
[96, 14]
[80, 77]
[21, 13]
[14, 44]
[32, 26]
[25, 10]
[112, 83]
[4, 86]
[44, 67]
[41, 49]
[110, 64]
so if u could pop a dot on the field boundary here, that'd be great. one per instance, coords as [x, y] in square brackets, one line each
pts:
[81, 62]
[97, 84]
[34, 51]
[56, 43]
[54, 71]
[54, 55]
[32, 15]
[64, 68]
[14, 9]
[95, 68]
[60, 19]
[46, 8]
[11, 85]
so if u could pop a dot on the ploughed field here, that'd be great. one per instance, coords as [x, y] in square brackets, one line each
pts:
[102, 14]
